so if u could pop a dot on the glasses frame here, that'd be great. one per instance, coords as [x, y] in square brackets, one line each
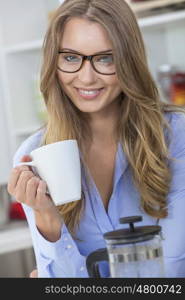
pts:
[88, 58]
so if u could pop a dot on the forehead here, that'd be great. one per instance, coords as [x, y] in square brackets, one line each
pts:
[85, 36]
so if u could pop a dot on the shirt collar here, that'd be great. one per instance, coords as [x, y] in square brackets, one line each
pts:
[121, 164]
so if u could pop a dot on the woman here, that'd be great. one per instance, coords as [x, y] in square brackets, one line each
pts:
[98, 89]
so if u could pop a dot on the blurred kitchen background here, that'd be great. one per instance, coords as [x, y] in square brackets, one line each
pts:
[22, 111]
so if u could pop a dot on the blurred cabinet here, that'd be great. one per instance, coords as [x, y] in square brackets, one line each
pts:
[164, 37]
[17, 264]
[22, 29]
[4, 141]
[17, 257]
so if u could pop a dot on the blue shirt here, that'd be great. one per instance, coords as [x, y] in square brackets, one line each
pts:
[67, 257]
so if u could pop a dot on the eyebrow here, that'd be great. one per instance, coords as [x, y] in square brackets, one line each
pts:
[74, 51]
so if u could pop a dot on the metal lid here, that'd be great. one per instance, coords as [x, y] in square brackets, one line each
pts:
[132, 234]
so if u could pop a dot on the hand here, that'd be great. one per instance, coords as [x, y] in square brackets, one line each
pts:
[34, 274]
[28, 188]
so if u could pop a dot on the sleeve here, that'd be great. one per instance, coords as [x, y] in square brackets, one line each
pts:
[173, 226]
[62, 258]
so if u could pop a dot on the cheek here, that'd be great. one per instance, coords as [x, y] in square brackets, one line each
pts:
[65, 79]
[113, 83]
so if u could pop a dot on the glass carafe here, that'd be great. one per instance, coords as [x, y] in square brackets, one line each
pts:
[135, 252]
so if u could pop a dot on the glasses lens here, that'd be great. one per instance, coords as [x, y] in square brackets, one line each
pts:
[104, 63]
[69, 62]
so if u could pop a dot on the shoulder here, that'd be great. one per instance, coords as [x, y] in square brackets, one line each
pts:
[176, 121]
[31, 143]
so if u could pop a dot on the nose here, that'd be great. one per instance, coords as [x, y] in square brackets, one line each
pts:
[87, 74]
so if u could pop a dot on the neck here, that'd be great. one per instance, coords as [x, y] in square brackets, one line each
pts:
[103, 126]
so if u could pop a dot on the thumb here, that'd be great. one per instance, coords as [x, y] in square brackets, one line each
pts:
[26, 158]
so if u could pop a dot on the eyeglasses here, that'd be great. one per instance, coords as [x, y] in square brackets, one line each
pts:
[71, 62]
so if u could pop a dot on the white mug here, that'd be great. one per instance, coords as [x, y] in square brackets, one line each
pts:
[58, 164]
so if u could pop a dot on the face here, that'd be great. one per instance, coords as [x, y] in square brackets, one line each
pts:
[89, 91]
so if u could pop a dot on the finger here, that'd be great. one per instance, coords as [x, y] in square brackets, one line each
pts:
[26, 158]
[31, 191]
[42, 194]
[14, 177]
[34, 274]
[41, 190]
[22, 168]
[20, 189]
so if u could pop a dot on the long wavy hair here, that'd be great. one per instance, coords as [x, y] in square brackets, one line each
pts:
[141, 124]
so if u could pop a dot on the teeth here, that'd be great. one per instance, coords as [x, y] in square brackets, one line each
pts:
[94, 92]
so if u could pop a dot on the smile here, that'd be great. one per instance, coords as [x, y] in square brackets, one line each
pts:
[89, 94]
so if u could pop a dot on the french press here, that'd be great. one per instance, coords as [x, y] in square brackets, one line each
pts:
[134, 252]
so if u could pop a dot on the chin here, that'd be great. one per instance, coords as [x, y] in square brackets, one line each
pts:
[88, 110]
[90, 107]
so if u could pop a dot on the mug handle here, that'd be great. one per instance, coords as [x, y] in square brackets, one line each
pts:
[27, 163]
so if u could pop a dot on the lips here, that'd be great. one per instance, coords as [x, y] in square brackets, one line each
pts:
[89, 93]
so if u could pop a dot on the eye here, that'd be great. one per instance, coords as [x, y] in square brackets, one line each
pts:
[106, 59]
[71, 58]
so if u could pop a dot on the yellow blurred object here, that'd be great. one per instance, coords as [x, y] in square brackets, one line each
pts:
[178, 88]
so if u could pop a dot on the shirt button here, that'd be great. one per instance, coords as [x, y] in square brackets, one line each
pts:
[65, 239]
[69, 246]
[82, 269]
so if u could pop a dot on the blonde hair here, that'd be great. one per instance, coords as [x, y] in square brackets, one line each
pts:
[142, 122]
